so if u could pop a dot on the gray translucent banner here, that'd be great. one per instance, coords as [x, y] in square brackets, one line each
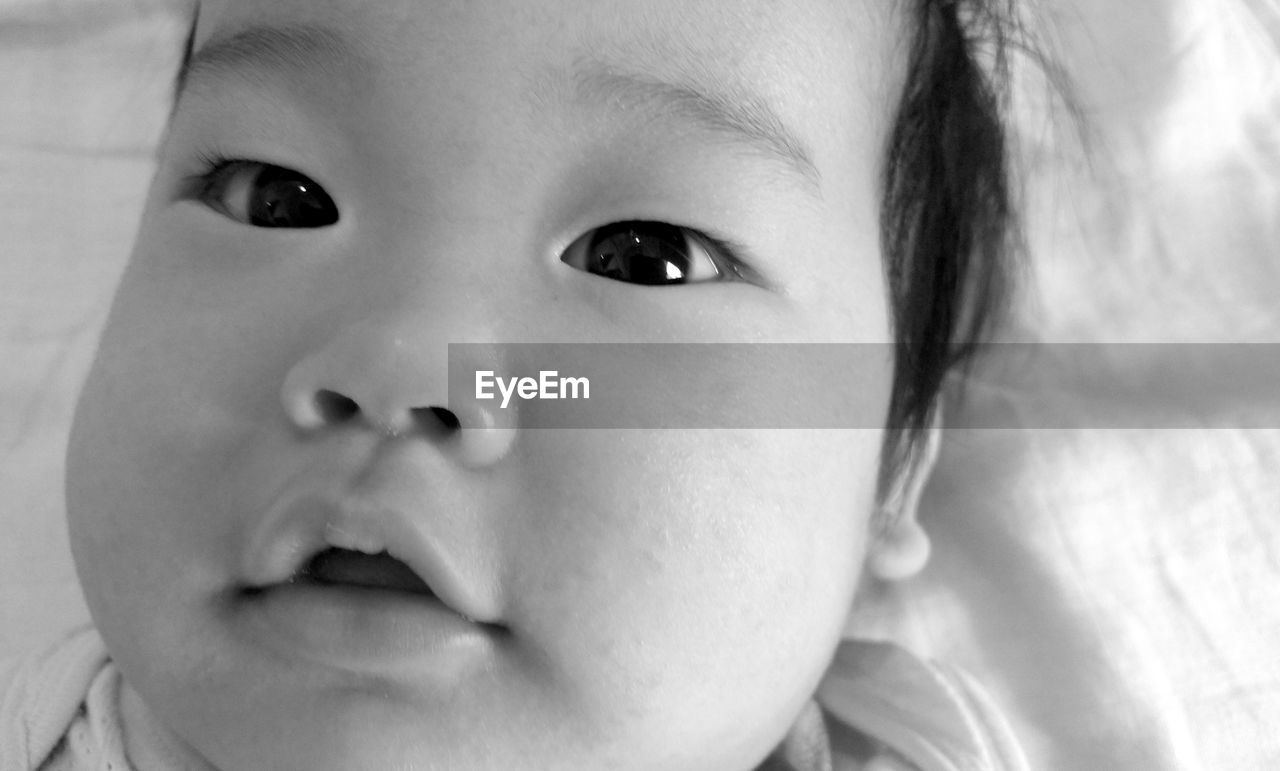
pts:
[692, 385]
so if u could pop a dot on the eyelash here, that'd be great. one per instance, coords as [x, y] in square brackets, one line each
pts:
[210, 166]
[726, 255]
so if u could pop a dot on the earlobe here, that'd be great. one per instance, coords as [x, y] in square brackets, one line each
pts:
[900, 552]
[901, 548]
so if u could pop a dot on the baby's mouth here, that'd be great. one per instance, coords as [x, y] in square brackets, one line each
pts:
[346, 568]
[338, 548]
[358, 611]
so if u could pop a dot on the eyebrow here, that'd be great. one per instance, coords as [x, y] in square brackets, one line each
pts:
[729, 113]
[732, 114]
[262, 48]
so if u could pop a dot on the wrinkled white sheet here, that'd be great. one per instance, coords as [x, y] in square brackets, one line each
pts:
[1119, 589]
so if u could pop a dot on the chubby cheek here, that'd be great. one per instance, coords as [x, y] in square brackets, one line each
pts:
[180, 388]
[676, 575]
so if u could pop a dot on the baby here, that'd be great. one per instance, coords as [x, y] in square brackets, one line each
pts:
[303, 550]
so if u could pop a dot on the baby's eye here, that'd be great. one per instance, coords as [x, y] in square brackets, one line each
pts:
[267, 196]
[650, 253]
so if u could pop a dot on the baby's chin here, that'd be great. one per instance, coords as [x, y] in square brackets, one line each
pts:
[367, 742]
[333, 729]
[342, 729]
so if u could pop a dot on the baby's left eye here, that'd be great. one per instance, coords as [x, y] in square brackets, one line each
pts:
[267, 196]
[648, 253]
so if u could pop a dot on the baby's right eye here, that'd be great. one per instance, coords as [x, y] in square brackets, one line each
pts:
[267, 196]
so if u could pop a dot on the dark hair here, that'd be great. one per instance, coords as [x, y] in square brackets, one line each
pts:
[947, 221]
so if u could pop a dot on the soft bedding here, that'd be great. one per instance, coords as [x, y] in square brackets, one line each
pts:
[1115, 581]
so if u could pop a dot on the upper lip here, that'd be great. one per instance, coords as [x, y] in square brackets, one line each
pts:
[300, 526]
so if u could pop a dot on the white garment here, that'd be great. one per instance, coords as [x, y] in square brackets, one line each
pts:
[61, 704]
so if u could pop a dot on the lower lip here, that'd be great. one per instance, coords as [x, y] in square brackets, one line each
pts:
[363, 629]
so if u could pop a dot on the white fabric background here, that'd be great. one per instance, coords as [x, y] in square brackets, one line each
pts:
[1117, 588]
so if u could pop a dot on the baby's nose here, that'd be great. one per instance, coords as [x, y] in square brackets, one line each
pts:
[396, 383]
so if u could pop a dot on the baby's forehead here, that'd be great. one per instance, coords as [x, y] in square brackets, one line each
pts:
[773, 78]
[735, 24]
[782, 47]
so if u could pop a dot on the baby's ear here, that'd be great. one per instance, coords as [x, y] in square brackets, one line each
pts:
[900, 547]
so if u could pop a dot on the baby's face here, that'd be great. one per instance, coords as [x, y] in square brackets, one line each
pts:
[404, 175]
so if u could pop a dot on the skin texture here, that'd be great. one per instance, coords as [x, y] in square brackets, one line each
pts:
[666, 599]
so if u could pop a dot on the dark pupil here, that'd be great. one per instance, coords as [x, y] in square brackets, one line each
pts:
[640, 252]
[286, 199]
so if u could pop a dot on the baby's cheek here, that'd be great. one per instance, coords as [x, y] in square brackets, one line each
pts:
[201, 337]
[184, 385]
[773, 541]
[679, 573]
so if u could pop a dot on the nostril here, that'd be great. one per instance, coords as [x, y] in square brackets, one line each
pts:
[333, 407]
[437, 421]
[446, 418]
